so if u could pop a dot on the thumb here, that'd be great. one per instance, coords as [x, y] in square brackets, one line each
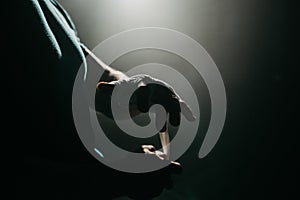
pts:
[186, 111]
[105, 87]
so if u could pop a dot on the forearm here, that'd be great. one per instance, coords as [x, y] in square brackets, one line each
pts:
[109, 74]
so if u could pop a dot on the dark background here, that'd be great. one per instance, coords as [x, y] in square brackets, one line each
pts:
[252, 42]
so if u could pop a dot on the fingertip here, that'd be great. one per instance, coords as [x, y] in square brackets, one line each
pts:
[176, 167]
[191, 117]
[105, 87]
[187, 112]
[149, 147]
[101, 84]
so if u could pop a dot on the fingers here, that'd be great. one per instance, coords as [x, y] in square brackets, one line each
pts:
[173, 167]
[159, 94]
[105, 87]
[186, 111]
[151, 94]
[151, 184]
[148, 148]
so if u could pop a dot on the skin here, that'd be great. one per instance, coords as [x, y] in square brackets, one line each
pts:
[53, 160]
[148, 185]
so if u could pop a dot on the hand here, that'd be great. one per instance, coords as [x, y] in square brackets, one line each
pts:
[92, 180]
[149, 91]
[150, 185]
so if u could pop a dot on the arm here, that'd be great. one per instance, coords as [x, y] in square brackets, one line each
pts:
[109, 74]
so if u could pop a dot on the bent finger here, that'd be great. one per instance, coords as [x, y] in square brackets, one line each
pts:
[186, 111]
